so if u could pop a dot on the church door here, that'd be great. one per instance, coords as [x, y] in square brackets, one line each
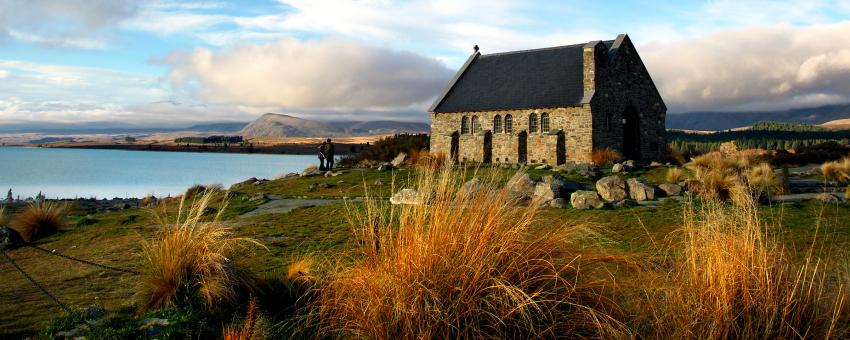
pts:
[522, 148]
[561, 148]
[455, 147]
[631, 134]
[488, 147]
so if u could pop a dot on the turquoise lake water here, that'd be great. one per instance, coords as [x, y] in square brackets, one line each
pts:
[72, 173]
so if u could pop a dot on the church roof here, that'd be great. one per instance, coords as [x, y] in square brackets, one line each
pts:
[539, 78]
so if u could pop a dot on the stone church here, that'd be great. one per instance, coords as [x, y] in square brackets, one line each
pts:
[550, 105]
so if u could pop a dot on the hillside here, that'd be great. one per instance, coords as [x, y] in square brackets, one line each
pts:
[278, 125]
[716, 121]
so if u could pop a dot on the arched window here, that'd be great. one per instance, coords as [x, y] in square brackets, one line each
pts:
[509, 124]
[544, 122]
[475, 126]
[532, 122]
[497, 124]
[464, 125]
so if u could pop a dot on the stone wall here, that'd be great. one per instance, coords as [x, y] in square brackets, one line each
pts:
[575, 122]
[622, 82]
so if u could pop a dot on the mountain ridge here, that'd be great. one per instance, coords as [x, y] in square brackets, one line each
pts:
[718, 121]
[281, 125]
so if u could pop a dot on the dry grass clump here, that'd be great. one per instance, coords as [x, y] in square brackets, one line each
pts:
[40, 219]
[466, 265]
[2, 216]
[837, 170]
[733, 280]
[675, 175]
[724, 177]
[427, 160]
[604, 156]
[246, 331]
[190, 258]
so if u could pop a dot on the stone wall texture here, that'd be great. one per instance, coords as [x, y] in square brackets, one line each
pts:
[616, 84]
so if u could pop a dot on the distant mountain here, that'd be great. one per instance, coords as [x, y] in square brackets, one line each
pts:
[115, 128]
[279, 125]
[717, 121]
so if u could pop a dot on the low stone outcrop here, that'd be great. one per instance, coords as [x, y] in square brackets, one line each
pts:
[611, 188]
[406, 196]
[640, 189]
[670, 189]
[585, 199]
[399, 159]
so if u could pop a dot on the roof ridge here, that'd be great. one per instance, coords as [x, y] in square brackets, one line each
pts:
[531, 50]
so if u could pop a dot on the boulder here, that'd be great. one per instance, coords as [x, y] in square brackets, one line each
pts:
[568, 166]
[585, 199]
[670, 189]
[588, 170]
[542, 167]
[471, 186]
[611, 188]
[559, 203]
[827, 198]
[399, 159]
[617, 168]
[290, 175]
[640, 189]
[311, 171]
[10, 238]
[406, 196]
[629, 165]
[555, 186]
[521, 186]
[386, 166]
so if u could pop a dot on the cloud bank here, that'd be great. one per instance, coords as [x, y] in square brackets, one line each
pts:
[768, 67]
[322, 74]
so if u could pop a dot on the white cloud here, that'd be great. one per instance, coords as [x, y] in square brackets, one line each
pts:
[323, 74]
[754, 68]
[64, 23]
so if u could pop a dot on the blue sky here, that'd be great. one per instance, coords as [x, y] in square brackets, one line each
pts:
[178, 62]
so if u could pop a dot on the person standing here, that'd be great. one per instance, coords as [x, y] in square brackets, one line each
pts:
[322, 156]
[329, 154]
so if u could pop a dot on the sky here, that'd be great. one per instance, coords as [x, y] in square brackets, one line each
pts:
[173, 62]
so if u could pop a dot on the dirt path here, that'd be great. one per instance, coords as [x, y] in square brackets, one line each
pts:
[279, 205]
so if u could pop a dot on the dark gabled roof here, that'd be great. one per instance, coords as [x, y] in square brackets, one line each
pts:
[540, 78]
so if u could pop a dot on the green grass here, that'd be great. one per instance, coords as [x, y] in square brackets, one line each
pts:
[113, 238]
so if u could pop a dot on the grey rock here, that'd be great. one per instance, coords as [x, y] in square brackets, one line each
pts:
[611, 188]
[588, 170]
[72, 334]
[623, 203]
[559, 203]
[585, 199]
[399, 159]
[406, 196]
[670, 189]
[385, 166]
[290, 175]
[542, 167]
[311, 171]
[568, 166]
[521, 185]
[555, 186]
[640, 189]
[827, 198]
[617, 168]
[10, 238]
[629, 165]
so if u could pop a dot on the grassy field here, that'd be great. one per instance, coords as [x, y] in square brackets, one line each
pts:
[114, 238]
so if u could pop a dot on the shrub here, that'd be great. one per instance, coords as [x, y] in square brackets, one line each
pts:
[604, 156]
[200, 189]
[734, 280]
[837, 170]
[40, 219]
[466, 265]
[762, 181]
[675, 175]
[385, 149]
[190, 259]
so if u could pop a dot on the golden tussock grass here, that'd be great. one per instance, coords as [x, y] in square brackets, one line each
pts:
[731, 177]
[190, 258]
[837, 170]
[675, 175]
[604, 156]
[2, 215]
[732, 279]
[247, 329]
[468, 264]
[40, 219]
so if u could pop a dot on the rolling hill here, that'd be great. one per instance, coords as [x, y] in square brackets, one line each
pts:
[279, 125]
[717, 121]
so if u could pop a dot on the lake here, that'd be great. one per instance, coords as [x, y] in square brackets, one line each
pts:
[72, 173]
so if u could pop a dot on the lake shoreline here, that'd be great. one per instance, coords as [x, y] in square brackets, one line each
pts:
[278, 149]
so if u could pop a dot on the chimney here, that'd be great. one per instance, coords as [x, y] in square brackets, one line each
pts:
[475, 49]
